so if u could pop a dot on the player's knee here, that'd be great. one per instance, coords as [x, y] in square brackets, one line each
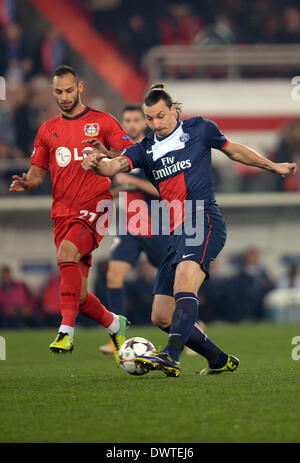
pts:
[188, 278]
[68, 253]
[160, 320]
[64, 257]
[114, 278]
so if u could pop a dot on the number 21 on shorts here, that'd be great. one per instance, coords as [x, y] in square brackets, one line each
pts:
[90, 216]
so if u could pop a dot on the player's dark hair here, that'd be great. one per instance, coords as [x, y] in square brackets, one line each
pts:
[157, 93]
[132, 107]
[63, 69]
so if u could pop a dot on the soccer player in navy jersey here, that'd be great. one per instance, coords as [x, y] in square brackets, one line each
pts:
[176, 158]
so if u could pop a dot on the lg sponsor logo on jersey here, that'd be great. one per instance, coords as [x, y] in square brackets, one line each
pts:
[64, 156]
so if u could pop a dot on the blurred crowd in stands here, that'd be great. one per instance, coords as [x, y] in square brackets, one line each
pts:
[25, 65]
[136, 26]
[235, 298]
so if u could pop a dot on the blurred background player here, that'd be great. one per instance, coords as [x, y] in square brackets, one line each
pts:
[176, 157]
[126, 249]
[76, 193]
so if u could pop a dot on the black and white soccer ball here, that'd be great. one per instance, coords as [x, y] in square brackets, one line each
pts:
[132, 348]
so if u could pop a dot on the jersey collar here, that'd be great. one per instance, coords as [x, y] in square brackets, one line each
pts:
[156, 138]
[86, 110]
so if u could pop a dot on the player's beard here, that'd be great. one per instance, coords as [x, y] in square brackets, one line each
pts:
[71, 107]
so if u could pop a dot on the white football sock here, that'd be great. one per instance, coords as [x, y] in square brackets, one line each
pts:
[67, 329]
[114, 326]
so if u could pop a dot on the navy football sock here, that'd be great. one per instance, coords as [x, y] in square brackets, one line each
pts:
[203, 345]
[184, 317]
[116, 300]
[220, 361]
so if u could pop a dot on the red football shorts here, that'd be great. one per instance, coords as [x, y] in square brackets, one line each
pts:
[81, 230]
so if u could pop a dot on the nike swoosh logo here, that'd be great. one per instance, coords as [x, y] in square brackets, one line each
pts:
[149, 151]
[187, 255]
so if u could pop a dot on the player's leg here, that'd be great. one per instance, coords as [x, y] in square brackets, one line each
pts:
[124, 255]
[177, 316]
[187, 278]
[68, 257]
[92, 307]
[162, 313]
[115, 277]
[79, 241]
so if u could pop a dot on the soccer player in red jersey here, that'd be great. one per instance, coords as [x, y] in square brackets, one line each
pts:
[59, 147]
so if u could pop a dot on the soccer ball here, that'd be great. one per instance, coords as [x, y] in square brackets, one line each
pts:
[132, 348]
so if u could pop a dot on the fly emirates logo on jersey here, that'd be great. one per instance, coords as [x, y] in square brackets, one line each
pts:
[170, 167]
[63, 155]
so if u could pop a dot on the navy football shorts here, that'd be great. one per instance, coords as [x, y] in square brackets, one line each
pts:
[127, 248]
[179, 250]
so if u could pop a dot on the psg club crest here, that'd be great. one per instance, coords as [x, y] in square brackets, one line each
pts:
[91, 130]
[184, 137]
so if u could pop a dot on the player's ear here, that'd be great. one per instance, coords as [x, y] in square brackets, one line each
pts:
[173, 110]
[80, 86]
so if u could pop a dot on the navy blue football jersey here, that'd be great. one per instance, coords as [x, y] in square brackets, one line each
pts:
[179, 165]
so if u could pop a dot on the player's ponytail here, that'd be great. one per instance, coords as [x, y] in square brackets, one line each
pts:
[157, 86]
[156, 93]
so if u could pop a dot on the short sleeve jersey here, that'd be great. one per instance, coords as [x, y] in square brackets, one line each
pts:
[179, 165]
[58, 146]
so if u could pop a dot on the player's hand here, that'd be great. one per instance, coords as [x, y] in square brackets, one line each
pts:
[92, 160]
[285, 169]
[20, 183]
[96, 143]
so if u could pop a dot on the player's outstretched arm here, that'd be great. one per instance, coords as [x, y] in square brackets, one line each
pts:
[140, 183]
[95, 143]
[34, 178]
[105, 167]
[245, 155]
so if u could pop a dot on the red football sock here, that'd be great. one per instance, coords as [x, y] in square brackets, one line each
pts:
[70, 288]
[92, 308]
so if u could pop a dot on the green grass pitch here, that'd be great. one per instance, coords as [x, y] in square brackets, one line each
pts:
[84, 397]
